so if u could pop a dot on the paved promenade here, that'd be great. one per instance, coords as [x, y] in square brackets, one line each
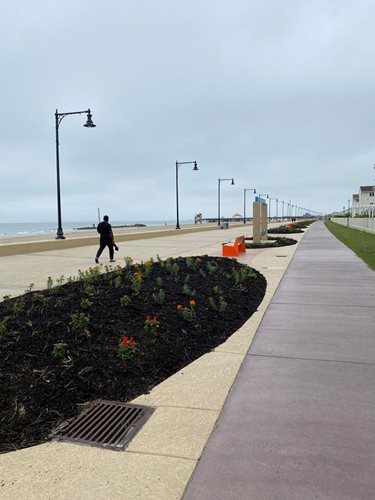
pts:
[299, 422]
[299, 419]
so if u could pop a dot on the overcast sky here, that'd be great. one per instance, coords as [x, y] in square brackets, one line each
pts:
[278, 94]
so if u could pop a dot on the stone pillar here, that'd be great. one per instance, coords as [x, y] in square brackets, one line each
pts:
[263, 222]
[256, 222]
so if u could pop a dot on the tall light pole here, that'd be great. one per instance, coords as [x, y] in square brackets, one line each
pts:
[244, 202]
[282, 217]
[178, 164]
[58, 118]
[218, 196]
[269, 215]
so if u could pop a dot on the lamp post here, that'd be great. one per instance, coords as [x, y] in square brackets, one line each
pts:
[218, 196]
[244, 202]
[282, 217]
[178, 164]
[58, 118]
[270, 207]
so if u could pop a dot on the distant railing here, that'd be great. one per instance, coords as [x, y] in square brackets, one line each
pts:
[247, 219]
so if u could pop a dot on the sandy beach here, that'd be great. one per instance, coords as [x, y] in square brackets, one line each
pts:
[90, 232]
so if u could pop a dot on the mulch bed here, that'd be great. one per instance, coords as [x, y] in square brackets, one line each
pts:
[112, 335]
[270, 243]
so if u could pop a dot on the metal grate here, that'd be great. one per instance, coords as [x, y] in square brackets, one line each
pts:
[106, 424]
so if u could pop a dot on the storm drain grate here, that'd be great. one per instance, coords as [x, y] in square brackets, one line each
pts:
[106, 424]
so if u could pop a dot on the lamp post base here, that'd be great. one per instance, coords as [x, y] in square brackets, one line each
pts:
[178, 226]
[60, 235]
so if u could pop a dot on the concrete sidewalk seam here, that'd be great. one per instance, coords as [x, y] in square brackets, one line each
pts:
[310, 359]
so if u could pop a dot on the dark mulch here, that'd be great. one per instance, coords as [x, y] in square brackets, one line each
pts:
[284, 230]
[271, 242]
[60, 347]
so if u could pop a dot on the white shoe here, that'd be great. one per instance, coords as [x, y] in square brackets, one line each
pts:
[112, 260]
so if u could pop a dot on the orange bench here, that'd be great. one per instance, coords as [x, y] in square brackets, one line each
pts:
[239, 245]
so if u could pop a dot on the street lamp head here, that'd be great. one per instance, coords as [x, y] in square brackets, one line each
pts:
[195, 166]
[232, 183]
[89, 123]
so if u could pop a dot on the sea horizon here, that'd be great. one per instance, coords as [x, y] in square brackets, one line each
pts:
[34, 228]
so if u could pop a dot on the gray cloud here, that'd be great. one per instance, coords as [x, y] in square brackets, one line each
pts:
[278, 95]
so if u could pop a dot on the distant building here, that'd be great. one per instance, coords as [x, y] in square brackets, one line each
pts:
[366, 195]
[364, 202]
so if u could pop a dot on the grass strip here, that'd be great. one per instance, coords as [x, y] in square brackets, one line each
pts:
[362, 243]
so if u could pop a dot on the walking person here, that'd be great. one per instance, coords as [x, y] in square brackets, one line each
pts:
[106, 239]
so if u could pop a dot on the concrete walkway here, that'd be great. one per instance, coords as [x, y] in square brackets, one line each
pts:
[299, 422]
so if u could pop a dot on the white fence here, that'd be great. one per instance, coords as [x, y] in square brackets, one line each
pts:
[365, 224]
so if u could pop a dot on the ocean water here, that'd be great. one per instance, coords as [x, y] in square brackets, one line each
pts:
[15, 229]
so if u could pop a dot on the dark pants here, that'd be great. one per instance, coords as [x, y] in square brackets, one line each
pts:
[105, 243]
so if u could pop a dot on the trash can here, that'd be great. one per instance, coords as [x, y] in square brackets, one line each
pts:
[225, 225]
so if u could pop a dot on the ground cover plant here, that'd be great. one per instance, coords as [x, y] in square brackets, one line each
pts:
[270, 243]
[112, 333]
[362, 243]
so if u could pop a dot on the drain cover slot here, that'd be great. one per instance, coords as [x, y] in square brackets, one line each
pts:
[106, 424]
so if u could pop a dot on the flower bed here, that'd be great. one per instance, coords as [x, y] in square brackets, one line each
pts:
[112, 335]
[270, 242]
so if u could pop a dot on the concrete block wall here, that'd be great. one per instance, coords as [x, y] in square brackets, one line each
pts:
[365, 224]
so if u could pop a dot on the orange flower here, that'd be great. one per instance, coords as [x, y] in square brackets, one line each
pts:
[192, 302]
[179, 307]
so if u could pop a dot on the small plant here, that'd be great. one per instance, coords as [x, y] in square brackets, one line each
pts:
[3, 324]
[128, 261]
[18, 308]
[186, 290]
[146, 267]
[172, 267]
[217, 290]
[89, 276]
[125, 301]
[126, 348]
[159, 296]
[89, 290]
[191, 263]
[187, 312]
[161, 262]
[29, 288]
[59, 350]
[49, 283]
[6, 297]
[211, 268]
[219, 304]
[151, 324]
[159, 281]
[136, 282]
[187, 279]
[60, 280]
[202, 273]
[85, 304]
[38, 298]
[243, 274]
[117, 282]
[79, 322]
